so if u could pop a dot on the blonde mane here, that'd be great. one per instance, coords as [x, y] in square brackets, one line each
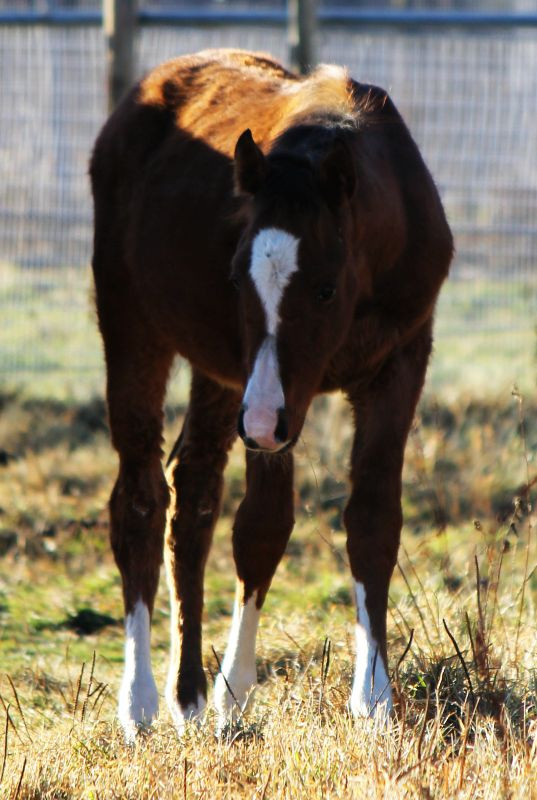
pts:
[326, 90]
[277, 99]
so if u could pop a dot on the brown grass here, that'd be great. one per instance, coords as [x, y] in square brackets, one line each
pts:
[463, 640]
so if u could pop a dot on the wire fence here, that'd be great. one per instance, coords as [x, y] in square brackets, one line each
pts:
[469, 97]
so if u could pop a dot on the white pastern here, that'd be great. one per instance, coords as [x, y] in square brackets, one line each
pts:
[263, 396]
[238, 665]
[181, 716]
[138, 696]
[274, 260]
[371, 692]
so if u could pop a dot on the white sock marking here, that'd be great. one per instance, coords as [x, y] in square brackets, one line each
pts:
[274, 260]
[138, 696]
[371, 691]
[238, 665]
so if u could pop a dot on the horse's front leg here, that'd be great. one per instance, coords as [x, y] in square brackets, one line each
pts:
[261, 531]
[373, 517]
[137, 373]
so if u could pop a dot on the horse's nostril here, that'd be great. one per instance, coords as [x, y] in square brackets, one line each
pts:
[281, 433]
[240, 423]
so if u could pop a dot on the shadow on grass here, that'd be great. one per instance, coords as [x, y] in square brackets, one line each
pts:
[85, 622]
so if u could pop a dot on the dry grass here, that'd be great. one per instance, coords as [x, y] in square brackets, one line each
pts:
[463, 638]
[299, 743]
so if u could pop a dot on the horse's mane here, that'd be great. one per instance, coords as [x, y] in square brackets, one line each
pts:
[278, 100]
[327, 92]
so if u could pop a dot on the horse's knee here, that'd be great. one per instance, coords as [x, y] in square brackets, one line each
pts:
[137, 514]
[197, 497]
[198, 490]
[140, 498]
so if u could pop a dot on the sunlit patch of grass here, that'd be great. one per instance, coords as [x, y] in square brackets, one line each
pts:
[297, 739]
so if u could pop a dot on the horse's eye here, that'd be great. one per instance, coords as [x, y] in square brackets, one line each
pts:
[326, 292]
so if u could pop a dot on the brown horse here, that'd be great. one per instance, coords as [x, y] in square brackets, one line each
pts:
[284, 235]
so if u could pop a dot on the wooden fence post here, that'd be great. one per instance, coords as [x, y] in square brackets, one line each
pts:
[120, 20]
[301, 30]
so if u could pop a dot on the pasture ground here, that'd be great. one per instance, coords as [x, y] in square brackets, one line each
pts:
[49, 344]
[462, 630]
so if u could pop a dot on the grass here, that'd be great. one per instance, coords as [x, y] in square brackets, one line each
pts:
[50, 347]
[485, 338]
[462, 635]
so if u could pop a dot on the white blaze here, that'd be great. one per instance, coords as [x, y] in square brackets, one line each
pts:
[238, 665]
[274, 260]
[138, 696]
[371, 692]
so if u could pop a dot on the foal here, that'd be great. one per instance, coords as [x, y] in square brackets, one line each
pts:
[285, 237]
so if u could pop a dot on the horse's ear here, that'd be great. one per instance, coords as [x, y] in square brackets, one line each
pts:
[337, 174]
[250, 164]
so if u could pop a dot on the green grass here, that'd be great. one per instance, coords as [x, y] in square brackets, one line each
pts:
[50, 347]
[49, 330]
[485, 339]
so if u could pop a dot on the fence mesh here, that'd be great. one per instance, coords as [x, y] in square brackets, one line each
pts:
[469, 99]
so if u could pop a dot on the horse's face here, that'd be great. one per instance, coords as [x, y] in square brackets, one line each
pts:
[294, 271]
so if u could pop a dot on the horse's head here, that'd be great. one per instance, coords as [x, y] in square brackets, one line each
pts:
[294, 271]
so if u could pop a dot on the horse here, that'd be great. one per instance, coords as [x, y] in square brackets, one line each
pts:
[284, 236]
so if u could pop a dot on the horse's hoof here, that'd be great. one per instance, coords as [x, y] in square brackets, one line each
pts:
[181, 717]
[138, 707]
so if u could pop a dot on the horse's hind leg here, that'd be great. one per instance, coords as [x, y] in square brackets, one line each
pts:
[198, 461]
[137, 370]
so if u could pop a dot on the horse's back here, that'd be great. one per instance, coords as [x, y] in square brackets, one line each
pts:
[172, 137]
[206, 95]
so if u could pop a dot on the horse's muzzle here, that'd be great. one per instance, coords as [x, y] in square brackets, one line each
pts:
[263, 430]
